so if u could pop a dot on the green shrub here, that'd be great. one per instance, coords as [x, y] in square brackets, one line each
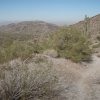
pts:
[70, 43]
[15, 50]
[98, 37]
[19, 49]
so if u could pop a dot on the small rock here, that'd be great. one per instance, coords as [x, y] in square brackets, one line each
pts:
[51, 52]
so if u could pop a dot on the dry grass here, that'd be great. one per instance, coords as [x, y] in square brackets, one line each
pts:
[47, 78]
[20, 82]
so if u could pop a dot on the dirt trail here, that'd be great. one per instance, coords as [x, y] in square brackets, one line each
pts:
[95, 62]
[70, 74]
[88, 84]
[79, 79]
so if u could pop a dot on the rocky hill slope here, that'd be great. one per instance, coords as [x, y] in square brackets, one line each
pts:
[93, 26]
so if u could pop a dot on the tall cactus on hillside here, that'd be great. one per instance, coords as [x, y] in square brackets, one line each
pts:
[86, 25]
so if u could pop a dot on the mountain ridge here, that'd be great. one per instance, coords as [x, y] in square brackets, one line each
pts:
[29, 27]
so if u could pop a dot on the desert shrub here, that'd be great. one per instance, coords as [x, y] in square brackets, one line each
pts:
[20, 82]
[70, 43]
[15, 50]
[97, 45]
[19, 49]
[98, 37]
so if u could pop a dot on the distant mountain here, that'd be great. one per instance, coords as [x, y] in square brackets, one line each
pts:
[29, 27]
[27, 30]
[5, 22]
[93, 26]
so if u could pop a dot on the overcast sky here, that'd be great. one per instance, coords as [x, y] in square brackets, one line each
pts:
[59, 11]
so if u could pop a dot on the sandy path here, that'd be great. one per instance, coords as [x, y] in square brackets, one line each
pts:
[79, 80]
[88, 84]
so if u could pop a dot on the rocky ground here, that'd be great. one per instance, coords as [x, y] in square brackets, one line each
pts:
[82, 81]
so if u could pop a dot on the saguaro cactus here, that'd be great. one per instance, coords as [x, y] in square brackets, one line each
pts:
[86, 24]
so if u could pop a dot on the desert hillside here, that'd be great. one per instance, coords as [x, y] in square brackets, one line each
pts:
[49, 49]
[93, 26]
[41, 61]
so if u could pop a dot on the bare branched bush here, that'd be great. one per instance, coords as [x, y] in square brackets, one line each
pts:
[20, 82]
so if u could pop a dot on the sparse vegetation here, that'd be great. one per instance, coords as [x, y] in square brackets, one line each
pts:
[37, 64]
[70, 43]
[98, 37]
[15, 50]
[18, 81]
